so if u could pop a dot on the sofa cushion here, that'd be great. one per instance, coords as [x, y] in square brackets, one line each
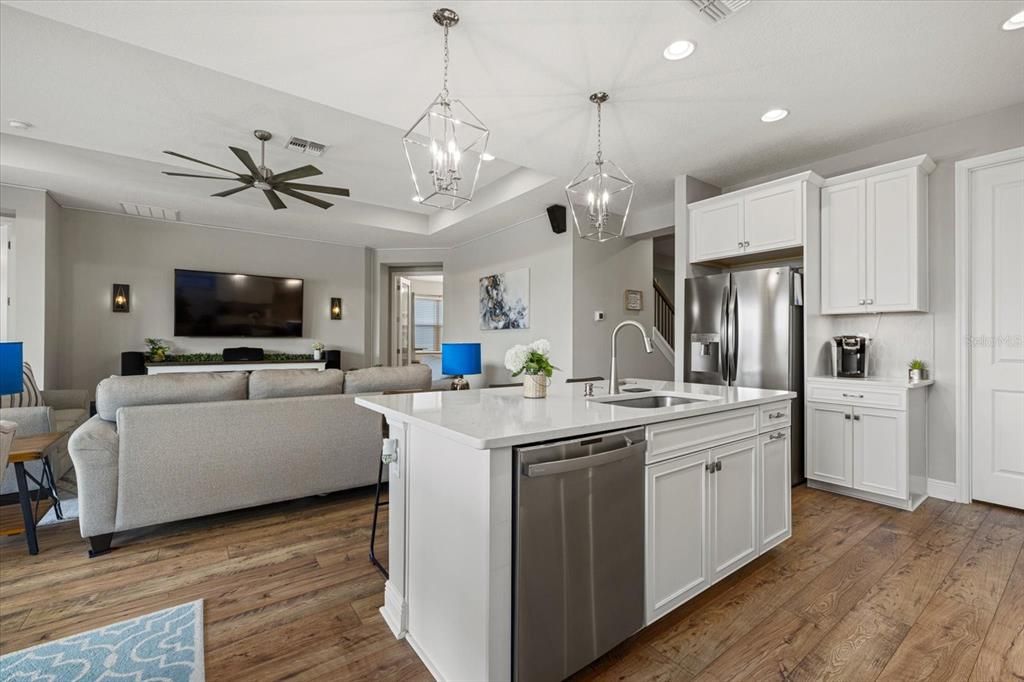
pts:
[415, 377]
[168, 389]
[30, 395]
[69, 419]
[292, 383]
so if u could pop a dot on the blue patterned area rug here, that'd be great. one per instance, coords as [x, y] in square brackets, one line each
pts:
[166, 646]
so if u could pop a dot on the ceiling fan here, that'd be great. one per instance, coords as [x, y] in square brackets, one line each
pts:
[265, 179]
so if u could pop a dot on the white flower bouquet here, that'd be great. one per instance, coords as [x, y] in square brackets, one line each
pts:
[533, 361]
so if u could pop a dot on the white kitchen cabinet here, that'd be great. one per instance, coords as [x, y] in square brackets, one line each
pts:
[829, 443]
[677, 532]
[733, 502]
[874, 239]
[770, 217]
[870, 441]
[774, 517]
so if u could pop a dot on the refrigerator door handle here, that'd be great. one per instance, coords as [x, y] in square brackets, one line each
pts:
[723, 338]
[734, 340]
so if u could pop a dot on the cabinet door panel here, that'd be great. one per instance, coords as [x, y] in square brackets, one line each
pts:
[716, 231]
[773, 219]
[892, 246]
[829, 443]
[842, 248]
[880, 451]
[774, 513]
[677, 538]
[733, 507]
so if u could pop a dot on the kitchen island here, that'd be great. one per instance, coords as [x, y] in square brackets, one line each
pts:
[705, 489]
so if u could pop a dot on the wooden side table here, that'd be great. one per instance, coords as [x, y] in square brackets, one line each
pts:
[30, 449]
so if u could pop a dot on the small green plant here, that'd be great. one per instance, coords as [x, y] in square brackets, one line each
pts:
[917, 364]
[157, 349]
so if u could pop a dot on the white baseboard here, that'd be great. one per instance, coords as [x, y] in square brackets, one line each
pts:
[944, 490]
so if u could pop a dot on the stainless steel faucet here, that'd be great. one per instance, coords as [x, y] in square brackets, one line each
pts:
[613, 376]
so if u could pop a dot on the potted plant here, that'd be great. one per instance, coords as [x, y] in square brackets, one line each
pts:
[318, 350]
[157, 350]
[532, 362]
[917, 369]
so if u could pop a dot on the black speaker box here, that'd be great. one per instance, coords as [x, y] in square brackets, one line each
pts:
[557, 217]
[243, 354]
[333, 359]
[133, 362]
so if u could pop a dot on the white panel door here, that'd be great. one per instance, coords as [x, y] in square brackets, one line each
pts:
[880, 451]
[716, 231]
[892, 248]
[829, 445]
[677, 536]
[842, 248]
[733, 507]
[774, 517]
[773, 219]
[996, 220]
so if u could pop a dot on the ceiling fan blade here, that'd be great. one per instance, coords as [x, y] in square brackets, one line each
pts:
[193, 175]
[233, 190]
[304, 197]
[295, 174]
[189, 158]
[244, 157]
[340, 191]
[274, 200]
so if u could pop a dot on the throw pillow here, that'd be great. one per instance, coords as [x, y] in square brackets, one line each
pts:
[29, 396]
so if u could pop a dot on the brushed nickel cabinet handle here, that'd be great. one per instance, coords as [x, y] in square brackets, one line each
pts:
[853, 395]
[776, 415]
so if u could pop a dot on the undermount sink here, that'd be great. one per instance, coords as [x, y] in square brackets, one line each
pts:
[652, 401]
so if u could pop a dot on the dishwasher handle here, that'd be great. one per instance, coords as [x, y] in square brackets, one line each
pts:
[562, 466]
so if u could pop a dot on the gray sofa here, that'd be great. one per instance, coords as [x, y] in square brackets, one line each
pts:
[175, 446]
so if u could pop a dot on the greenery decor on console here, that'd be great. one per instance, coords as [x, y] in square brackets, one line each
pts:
[532, 361]
[156, 350]
[917, 369]
[217, 357]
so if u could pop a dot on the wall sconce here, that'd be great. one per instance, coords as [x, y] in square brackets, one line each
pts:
[335, 308]
[121, 300]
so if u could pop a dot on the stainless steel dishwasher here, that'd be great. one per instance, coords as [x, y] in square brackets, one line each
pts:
[579, 551]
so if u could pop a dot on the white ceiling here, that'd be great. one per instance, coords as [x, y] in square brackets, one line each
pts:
[355, 74]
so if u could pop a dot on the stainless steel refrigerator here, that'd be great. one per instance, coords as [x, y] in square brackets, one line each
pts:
[745, 328]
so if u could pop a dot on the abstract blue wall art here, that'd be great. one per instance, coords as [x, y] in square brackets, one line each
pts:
[505, 300]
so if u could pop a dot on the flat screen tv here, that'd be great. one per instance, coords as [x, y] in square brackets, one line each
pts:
[223, 304]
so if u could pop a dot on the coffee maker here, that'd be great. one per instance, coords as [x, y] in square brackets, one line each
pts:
[850, 356]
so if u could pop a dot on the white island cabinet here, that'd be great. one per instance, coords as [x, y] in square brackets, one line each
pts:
[712, 482]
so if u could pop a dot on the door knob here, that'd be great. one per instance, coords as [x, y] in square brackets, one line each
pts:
[856, 417]
[861, 302]
[746, 244]
[739, 244]
[870, 301]
[847, 417]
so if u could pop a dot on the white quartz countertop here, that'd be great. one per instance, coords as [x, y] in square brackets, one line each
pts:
[884, 382]
[500, 417]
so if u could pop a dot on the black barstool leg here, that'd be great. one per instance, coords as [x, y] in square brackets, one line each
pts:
[377, 504]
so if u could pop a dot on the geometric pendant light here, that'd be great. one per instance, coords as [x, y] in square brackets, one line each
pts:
[445, 146]
[601, 193]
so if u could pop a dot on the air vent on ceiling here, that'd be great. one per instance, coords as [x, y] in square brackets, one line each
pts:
[297, 144]
[149, 211]
[715, 11]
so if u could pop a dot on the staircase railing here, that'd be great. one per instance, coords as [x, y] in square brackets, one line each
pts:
[664, 314]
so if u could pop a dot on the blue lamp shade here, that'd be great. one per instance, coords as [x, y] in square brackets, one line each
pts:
[10, 368]
[460, 358]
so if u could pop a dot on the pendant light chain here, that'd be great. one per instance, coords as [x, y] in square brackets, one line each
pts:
[444, 83]
[599, 134]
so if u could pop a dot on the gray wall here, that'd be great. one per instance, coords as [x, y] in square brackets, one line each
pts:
[601, 275]
[98, 249]
[929, 336]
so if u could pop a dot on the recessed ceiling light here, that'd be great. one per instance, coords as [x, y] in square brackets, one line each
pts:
[487, 156]
[773, 115]
[22, 125]
[1014, 22]
[681, 49]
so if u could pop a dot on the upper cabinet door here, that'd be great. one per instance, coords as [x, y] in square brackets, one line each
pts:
[897, 247]
[773, 218]
[842, 248]
[716, 231]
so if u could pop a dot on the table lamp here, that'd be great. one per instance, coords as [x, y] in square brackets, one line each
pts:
[11, 371]
[458, 359]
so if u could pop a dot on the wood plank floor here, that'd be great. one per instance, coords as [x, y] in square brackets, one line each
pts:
[860, 592]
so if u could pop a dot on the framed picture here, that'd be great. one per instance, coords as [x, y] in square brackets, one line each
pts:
[505, 300]
[634, 299]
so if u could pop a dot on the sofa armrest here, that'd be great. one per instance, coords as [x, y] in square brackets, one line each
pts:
[94, 448]
[66, 399]
[30, 420]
